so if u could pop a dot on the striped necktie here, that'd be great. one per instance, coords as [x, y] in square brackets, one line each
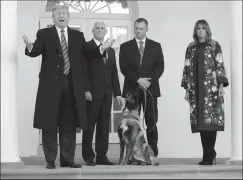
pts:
[65, 53]
[141, 50]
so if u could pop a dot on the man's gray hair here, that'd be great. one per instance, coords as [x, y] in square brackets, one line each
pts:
[95, 24]
[60, 7]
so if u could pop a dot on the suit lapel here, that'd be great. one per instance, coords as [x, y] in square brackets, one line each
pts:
[136, 51]
[56, 40]
[107, 51]
[109, 56]
[93, 43]
[71, 39]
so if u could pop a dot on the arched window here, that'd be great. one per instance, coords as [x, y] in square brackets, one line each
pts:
[97, 6]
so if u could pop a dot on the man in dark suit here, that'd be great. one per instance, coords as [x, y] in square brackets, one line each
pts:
[60, 98]
[142, 63]
[103, 83]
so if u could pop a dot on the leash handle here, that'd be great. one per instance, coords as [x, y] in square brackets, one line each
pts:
[137, 93]
[145, 102]
[145, 106]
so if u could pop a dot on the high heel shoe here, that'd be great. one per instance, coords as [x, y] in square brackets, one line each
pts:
[211, 160]
[214, 157]
[202, 161]
[215, 161]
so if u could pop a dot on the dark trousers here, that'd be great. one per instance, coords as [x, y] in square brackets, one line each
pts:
[98, 113]
[67, 128]
[208, 139]
[151, 119]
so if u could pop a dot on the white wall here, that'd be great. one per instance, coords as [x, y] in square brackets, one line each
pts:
[28, 69]
[171, 23]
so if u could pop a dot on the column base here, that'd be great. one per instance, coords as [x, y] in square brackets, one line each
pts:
[12, 165]
[234, 161]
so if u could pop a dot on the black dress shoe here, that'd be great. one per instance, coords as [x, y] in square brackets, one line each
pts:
[90, 163]
[103, 162]
[73, 165]
[50, 166]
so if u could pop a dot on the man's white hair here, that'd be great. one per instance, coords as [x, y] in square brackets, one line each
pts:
[60, 7]
[98, 22]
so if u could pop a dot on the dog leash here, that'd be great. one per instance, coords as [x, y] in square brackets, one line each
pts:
[145, 102]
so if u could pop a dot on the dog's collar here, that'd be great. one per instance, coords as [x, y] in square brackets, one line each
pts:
[131, 114]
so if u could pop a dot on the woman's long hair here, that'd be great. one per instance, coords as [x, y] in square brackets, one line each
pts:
[208, 31]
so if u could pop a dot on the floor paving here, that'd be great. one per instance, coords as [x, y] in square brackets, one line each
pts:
[127, 172]
[169, 168]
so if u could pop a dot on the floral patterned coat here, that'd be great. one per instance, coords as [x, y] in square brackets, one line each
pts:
[214, 74]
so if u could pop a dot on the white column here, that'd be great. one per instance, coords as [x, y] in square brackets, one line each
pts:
[236, 80]
[9, 123]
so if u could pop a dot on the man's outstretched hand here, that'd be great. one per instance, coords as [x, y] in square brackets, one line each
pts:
[107, 44]
[28, 43]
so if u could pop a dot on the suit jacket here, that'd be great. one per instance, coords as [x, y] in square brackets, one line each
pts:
[152, 65]
[51, 78]
[102, 77]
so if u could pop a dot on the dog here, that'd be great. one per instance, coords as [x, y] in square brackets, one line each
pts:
[132, 138]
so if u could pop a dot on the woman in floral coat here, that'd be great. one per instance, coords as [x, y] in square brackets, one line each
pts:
[203, 79]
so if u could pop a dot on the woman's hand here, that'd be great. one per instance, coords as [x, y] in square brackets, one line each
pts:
[187, 96]
[221, 90]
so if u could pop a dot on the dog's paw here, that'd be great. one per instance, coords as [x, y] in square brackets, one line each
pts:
[123, 163]
[156, 164]
[124, 129]
[154, 161]
[141, 163]
[119, 162]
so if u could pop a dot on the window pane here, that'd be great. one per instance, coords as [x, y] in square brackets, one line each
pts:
[74, 6]
[116, 106]
[120, 34]
[117, 120]
[75, 10]
[82, 4]
[99, 6]
[121, 78]
[108, 34]
[93, 6]
[76, 27]
[116, 8]
[103, 10]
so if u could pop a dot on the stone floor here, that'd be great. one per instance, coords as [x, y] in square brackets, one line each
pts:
[163, 161]
[127, 172]
[168, 169]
